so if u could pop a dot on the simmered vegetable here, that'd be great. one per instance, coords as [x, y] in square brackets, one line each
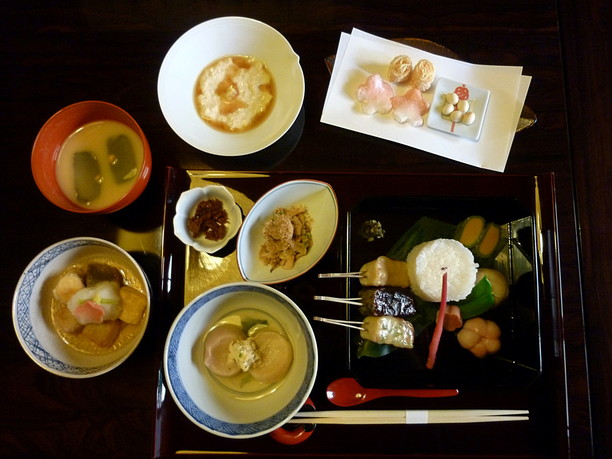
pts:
[499, 284]
[101, 272]
[490, 242]
[470, 231]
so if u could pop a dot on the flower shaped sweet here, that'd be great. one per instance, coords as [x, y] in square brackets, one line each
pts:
[375, 95]
[410, 107]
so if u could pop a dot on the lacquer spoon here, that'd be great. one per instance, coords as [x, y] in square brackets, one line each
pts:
[348, 392]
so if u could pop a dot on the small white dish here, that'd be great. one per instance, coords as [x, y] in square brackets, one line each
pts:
[215, 39]
[185, 209]
[32, 308]
[322, 205]
[201, 398]
[478, 99]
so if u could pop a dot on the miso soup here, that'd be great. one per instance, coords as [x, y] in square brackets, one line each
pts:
[99, 163]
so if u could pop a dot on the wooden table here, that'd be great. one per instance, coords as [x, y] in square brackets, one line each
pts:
[57, 54]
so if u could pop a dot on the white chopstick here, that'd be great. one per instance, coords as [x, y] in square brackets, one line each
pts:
[356, 324]
[408, 416]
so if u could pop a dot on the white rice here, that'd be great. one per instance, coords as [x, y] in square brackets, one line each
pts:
[428, 261]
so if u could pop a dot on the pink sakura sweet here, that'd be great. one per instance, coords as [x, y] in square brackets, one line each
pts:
[410, 107]
[375, 95]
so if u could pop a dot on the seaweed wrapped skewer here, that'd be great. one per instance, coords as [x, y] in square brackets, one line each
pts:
[387, 301]
[384, 301]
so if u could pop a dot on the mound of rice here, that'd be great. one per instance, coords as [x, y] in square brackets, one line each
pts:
[428, 261]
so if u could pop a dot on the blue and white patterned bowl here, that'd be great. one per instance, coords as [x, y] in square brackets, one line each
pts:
[202, 399]
[32, 309]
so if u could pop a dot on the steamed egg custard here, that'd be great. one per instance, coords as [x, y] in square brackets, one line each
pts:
[98, 164]
[98, 306]
[234, 93]
[248, 353]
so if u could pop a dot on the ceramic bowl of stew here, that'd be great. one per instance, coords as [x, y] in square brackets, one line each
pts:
[50, 332]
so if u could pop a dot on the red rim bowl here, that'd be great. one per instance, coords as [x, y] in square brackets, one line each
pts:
[58, 128]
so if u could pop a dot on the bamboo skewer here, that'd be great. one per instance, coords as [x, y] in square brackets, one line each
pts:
[355, 301]
[355, 274]
[408, 416]
[344, 323]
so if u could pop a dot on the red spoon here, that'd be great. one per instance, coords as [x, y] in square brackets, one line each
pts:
[348, 392]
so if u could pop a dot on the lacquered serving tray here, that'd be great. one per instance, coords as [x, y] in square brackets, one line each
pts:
[521, 378]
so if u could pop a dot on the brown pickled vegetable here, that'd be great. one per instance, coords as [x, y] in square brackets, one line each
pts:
[210, 220]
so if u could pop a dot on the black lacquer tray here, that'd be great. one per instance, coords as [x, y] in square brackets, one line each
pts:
[523, 375]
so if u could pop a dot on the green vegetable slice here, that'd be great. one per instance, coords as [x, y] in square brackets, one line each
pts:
[121, 158]
[367, 348]
[87, 177]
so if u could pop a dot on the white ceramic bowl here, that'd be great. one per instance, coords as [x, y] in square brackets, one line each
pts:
[32, 315]
[185, 208]
[322, 205]
[202, 398]
[208, 42]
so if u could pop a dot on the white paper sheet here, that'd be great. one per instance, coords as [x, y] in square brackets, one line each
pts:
[360, 55]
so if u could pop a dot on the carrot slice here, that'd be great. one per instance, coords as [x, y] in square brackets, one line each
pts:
[437, 334]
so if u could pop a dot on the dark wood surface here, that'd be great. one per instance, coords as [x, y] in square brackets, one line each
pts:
[60, 52]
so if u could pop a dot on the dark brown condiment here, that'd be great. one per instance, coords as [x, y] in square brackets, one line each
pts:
[210, 220]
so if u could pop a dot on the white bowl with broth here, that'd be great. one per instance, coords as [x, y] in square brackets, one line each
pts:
[33, 302]
[222, 407]
[205, 44]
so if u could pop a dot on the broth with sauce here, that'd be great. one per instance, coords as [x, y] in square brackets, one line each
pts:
[251, 321]
[99, 163]
[128, 331]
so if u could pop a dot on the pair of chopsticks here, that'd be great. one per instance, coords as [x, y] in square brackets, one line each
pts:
[408, 416]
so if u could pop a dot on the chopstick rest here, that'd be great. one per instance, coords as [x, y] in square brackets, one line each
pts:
[408, 416]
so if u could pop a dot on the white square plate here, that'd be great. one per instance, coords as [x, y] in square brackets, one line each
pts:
[478, 99]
